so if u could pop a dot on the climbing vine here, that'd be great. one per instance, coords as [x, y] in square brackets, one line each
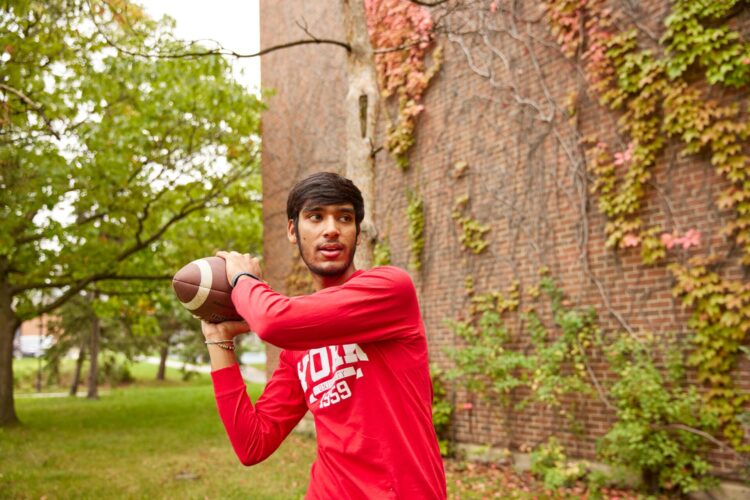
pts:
[660, 422]
[415, 220]
[721, 321]
[381, 254]
[472, 232]
[401, 33]
[485, 364]
[663, 92]
[442, 410]
[673, 91]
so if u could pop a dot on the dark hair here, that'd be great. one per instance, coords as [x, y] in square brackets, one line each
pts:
[324, 188]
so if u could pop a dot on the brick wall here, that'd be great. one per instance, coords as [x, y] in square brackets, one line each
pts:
[521, 181]
[303, 125]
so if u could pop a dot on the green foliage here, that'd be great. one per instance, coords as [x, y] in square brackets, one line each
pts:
[549, 463]
[115, 370]
[107, 153]
[655, 417]
[560, 361]
[663, 424]
[115, 170]
[659, 97]
[718, 50]
[486, 363]
[381, 254]
[415, 221]
[639, 83]
[472, 232]
[667, 92]
[400, 137]
[720, 322]
[652, 248]
[442, 410]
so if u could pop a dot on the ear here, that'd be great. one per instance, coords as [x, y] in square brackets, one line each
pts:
[290, 234]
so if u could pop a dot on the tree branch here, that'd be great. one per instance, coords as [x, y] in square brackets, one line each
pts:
[37, 107]
[101, 277]
[138, 277]
[184, 212]
[428, 4]
[118, 293]
[706, 436]
[220, 51]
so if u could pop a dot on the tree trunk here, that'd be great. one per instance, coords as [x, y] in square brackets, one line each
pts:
[9, 323]
[362, 109]
[79, 367]
[163, 352]
[93, 363]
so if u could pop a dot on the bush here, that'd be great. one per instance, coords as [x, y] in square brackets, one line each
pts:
[656, 413]
[442, 411]
[550, 464]
[115, 370]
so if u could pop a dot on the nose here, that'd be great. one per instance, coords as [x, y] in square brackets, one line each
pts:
[331, 228]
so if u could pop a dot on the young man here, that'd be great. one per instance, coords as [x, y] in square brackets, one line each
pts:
[354, 354]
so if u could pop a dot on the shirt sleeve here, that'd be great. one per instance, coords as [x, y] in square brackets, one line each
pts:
[380, 304]
[257, 431]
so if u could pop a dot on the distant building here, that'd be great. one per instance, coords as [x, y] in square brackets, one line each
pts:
[33, 337]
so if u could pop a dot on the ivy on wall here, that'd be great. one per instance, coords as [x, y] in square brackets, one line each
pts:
[401, 34]
[664, 92]
[659, 429]
[415, 221]
[661, 89]
[472, 232]
[381, 254]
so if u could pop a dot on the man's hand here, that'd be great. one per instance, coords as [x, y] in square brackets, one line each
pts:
[224, 331]
[239, 262]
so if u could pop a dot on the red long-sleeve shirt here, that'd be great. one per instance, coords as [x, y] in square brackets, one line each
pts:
[355, 355]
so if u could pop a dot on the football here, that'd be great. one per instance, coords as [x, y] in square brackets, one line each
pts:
[203, 289]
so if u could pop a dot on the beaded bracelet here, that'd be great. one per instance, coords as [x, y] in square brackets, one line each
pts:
[224, 344]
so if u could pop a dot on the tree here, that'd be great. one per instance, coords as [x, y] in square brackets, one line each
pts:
[102, 155]
[363, 94]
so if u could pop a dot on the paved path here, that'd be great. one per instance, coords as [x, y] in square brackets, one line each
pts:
[249, 373]
[34, 395]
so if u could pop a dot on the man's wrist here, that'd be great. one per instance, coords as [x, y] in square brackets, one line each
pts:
[242, 278]
[222, 337]
[242, 275]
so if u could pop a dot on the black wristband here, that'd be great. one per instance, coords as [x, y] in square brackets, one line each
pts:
[239, 275]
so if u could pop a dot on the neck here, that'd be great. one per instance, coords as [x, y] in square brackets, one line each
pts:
[321, 282]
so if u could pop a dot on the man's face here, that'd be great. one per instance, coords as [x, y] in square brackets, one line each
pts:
[326, 236]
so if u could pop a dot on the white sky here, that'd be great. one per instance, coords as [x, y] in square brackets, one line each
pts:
[233, 23]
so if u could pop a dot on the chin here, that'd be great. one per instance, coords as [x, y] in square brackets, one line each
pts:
[328, 270]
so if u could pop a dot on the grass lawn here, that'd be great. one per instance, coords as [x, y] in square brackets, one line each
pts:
[146, 440]
[25, 375]
[164, 439]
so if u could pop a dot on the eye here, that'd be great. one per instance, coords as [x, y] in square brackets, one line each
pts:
[315, 217]
[345, 218]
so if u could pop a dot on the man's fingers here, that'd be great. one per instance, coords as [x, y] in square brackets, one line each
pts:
[222, 254]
